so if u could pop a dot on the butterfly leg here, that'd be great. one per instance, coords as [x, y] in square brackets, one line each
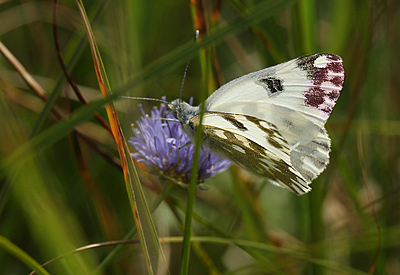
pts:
[183, 146]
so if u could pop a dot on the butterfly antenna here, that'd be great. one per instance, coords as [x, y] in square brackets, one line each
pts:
[142, 98]
[196, 35]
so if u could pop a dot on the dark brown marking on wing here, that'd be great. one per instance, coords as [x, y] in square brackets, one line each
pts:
[230, 118]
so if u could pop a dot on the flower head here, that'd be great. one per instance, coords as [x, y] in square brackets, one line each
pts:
[164, 148]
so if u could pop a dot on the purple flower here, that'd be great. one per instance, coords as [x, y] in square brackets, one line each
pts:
[166, 150]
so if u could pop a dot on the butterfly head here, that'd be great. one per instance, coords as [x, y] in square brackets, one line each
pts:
[183, 111]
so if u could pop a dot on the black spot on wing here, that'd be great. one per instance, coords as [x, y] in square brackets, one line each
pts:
[306, 63]
[271, 84]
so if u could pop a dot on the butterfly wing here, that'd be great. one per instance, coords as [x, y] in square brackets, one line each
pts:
[287, 104]
[253, 144]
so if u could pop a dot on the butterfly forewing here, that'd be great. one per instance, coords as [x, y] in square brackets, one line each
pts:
[297, 96]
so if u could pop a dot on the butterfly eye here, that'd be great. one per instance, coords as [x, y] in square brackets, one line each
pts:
[173, 106]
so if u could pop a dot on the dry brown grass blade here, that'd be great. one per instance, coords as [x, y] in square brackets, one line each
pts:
[151, 247]
[75, 88]
[23, 72]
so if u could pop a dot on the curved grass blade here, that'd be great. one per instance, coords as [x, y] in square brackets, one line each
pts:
[77, 48]
[153, 254]
[22, 255]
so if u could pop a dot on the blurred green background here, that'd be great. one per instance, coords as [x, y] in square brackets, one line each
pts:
[62, 189]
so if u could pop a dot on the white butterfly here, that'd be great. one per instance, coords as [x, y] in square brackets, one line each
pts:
[271, 122]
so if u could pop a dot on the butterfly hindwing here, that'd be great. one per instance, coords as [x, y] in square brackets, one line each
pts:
[254, 145]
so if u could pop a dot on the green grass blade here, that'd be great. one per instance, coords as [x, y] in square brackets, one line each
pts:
[307, 9]
[53, 227]
[20, 254]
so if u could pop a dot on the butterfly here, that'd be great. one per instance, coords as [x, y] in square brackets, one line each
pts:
[271, 122]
